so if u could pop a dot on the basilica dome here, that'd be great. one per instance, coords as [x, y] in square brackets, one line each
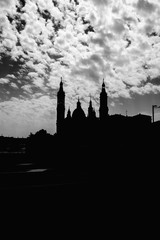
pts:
[78, 113]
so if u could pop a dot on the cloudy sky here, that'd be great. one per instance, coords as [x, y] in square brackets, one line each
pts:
[82, 41]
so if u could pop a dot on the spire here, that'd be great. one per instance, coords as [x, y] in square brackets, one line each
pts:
[90, 102]
[60, 107]
[78, 103]
[61, 91]
[91, 111]
[103, 110]
[69, 113]
[103, 84]
[61, 84]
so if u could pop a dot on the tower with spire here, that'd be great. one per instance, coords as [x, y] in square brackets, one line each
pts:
[60, 108]
[103, 109]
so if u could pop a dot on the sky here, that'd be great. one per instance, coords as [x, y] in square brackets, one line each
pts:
[82, 41]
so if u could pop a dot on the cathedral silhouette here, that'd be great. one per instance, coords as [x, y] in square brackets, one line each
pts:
[77, 126]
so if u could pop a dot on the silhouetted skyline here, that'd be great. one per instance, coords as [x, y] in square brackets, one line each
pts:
[78, 125]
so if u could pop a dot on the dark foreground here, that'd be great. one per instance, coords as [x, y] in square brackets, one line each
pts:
[87, 191]
[109, 188]
[20, 172]
[91, 169]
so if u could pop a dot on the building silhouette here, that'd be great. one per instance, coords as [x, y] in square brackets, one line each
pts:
[103, 109]
[79, 127]
[60, 108]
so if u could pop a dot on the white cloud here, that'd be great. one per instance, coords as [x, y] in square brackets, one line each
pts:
[14, 85]
[100, 52]
[27, 88]
[4, 80]
[11, 76]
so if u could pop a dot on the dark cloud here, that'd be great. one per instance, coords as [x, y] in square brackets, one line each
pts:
[9, 66]
[128, 42]
[145, 6]
[88, 26]
[96, 59]
[129, 19]
[89, 29]
[99, 41]
[19, 23]
[55, 56]
[154, 81]
[57, 25]
[91, 73]
[100, 2]
[22, 2]
[16, 75]
[118, 26]
[152, 34]
[44, 13]
[76, 2]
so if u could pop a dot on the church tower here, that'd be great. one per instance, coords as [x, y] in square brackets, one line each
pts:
[103, 110]
[60, 108]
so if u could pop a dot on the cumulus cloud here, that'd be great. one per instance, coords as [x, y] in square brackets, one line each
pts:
[129, 28]
[83, 42]
[4, 80]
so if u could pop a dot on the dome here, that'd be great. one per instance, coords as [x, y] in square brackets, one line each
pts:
[78, 113]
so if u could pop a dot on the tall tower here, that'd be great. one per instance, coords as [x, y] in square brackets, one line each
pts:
[60, 108]
[103, 110]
